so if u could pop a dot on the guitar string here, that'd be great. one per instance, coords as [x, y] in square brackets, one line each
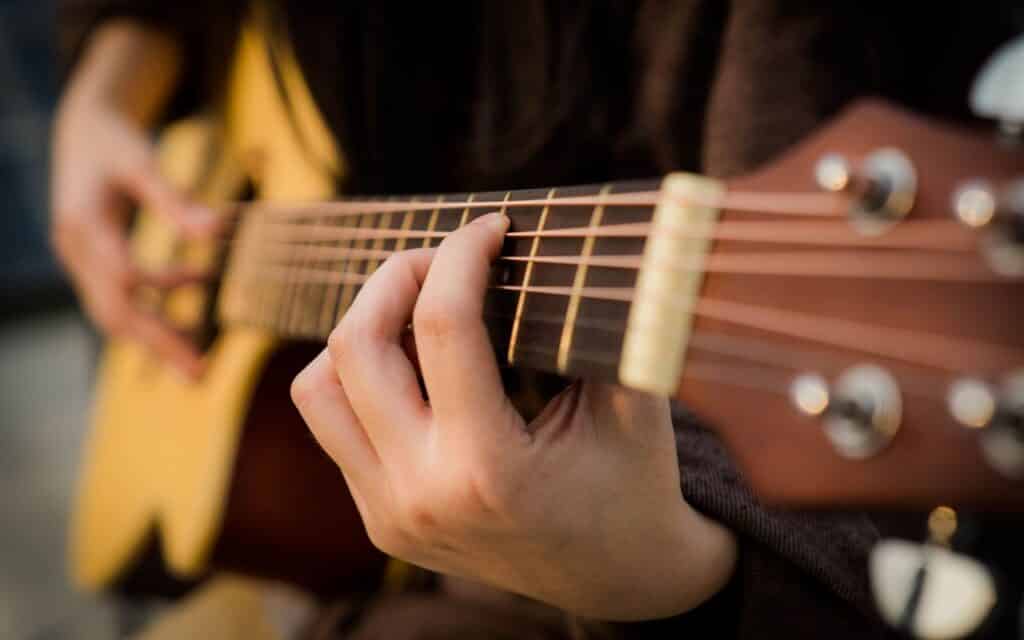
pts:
[628, 230]
[864, 265]
[924, 235]
[760, 352]
[756, 350]
[925, 349]
[928, 387]
[795, 203]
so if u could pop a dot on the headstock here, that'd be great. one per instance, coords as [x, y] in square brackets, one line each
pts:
[874, 351]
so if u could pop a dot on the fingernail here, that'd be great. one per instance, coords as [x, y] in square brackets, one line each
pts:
[498, 221]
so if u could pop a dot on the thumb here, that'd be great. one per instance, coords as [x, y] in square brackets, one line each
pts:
[149, 187]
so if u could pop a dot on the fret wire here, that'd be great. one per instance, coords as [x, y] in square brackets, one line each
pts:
[332, 296]
[237, 266]
[504, 203]
[348, 290]
[432, 223]
[406, 224]
[565, 343]
[253, 230]
[521, 302]
[465, 212]
[301, 313]
[288, 286]
[384, 224]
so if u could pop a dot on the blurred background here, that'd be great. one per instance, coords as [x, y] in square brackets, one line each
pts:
[46, 353]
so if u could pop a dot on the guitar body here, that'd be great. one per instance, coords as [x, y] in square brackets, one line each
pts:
[159, 474]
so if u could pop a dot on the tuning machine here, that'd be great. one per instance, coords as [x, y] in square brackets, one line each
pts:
[861, 412]
[997, 415]
[1000, 213]
[998, 91]
[883, 187]
[929, 590]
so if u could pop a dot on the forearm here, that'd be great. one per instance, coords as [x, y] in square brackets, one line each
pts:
[126, 67]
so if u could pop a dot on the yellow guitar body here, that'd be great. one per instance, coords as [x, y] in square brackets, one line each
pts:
[161, 450]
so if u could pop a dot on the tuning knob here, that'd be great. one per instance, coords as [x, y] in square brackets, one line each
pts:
[883, 187]
[928, 590]
[998, 91]
[998, 416]
[860, 413]
[1000, 213]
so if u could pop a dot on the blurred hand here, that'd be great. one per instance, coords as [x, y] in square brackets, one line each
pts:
[103, 167]
[581, 509]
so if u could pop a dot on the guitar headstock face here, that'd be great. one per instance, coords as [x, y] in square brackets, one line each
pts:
[866, 346]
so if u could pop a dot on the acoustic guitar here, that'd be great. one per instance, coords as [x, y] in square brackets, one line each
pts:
[847, 318]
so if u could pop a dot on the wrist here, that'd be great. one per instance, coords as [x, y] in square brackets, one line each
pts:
[688, 560]
[663, 569]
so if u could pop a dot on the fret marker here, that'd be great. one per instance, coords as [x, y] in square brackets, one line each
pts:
[657, 334]
[565, 344]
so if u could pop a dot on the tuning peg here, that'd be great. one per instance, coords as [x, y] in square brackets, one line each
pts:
[861, 413]
[928, 590]
[975, 204]
[998, 91]
[998, 416]
[882, 187]
[1000, 212]
[972, 402]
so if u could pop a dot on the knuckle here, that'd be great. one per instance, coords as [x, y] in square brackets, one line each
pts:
[418, 516]
[339, 343]
[356, 331]
[387, 538]
[301, 389]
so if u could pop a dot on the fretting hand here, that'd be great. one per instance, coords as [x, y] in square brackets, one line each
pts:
[581, 508]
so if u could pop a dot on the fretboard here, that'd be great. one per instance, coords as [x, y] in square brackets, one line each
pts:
[559, 299]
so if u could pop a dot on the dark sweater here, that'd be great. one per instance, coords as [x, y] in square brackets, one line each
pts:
[642, 88]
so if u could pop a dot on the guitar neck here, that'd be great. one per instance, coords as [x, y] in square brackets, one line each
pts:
[562, 289]
[866, 310]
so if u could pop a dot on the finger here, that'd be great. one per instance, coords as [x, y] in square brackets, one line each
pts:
[146, 185]
[459, 368]
[169, 345]
[168, 278]
[368, 353]
[107, 277]
[323, 404]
